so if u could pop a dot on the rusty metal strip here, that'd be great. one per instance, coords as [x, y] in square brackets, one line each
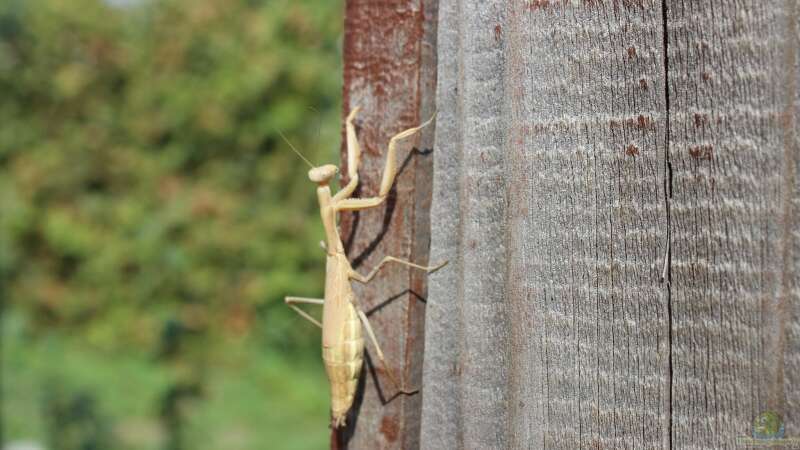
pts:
[390, 71]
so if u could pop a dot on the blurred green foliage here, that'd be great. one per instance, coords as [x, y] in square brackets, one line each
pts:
[151, 219]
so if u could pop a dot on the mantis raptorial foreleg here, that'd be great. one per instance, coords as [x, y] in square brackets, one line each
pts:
[290, 301]
[390, 169]
[353, 158]
[344, 203]
[378, 350]
[365, 279]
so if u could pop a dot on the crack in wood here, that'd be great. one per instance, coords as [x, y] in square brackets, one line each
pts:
[667, 275]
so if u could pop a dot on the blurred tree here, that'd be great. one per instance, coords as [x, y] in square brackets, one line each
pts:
[74, 422]
[141, 169]
[143, 185]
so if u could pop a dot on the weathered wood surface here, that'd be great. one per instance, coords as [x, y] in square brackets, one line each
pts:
[788, 313]
[732, 148]
[581, 148]
[390, 71]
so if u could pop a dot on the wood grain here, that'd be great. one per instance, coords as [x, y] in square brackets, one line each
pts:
[789, 311]
[552, 329]
[615, 186]
[732, 74]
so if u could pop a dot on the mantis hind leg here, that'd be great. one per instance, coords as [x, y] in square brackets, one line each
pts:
[290, 301]
[378, 350]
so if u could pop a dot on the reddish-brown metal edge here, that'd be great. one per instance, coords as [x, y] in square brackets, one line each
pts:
[390, 71]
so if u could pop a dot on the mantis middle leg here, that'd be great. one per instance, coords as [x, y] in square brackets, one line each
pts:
[290, 301]
[365, 279]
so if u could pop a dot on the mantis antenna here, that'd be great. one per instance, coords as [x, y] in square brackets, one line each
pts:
[295, 150]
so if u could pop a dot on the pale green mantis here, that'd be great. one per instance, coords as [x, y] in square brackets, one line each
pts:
[342, 316]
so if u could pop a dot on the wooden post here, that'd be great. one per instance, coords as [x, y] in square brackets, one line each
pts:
[550, 328]
[616, 189]
[390, 71]
[733, 194]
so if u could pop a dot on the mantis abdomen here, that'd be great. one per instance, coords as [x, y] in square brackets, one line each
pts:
[343, 363]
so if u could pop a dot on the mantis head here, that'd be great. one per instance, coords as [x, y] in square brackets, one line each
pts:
[322, 174]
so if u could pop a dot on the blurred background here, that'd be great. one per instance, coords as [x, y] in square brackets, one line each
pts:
[151, 221]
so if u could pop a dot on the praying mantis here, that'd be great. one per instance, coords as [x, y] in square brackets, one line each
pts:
[342, 316]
